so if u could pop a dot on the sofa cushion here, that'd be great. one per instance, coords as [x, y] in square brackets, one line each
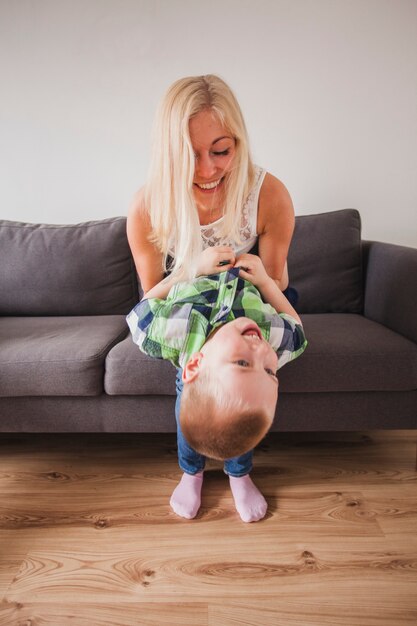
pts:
[130, 372]
[348, 352]
[345, 352]
[82, 269]
[56, 356]
[325, 262]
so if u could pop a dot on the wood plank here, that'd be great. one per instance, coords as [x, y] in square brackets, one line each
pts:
[293, 612]
[326, 513]
[103, 614]
[10, 564]
[210, 572]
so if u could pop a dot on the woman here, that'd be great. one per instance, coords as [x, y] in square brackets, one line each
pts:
[203, 191]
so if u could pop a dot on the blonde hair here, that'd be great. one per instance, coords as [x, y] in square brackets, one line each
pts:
[168, 193]
[216, 423]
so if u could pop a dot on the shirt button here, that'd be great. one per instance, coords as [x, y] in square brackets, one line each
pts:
[228, 286]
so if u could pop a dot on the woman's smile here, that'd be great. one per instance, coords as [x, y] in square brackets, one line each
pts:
[211, 187]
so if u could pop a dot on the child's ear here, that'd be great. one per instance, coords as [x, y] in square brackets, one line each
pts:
[192, 367]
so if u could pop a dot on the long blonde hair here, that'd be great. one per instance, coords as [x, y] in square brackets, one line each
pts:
[168, 193]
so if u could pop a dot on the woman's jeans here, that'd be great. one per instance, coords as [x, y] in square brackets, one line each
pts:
[191, 461]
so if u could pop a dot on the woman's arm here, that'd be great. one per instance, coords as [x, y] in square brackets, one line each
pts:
[160, 290]
[275, 227]
[147, 258]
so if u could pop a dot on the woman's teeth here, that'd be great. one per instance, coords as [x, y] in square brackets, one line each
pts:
[209, 185]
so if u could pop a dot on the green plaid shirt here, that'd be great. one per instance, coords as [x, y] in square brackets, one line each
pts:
[178, 326]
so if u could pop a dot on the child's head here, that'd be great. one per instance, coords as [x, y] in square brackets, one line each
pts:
[230, 391]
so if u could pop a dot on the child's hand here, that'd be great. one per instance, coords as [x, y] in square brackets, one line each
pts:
[215, 259]
[252, 269]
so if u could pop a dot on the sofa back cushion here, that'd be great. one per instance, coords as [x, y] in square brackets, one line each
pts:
[87, 269]
[81, 269]
[325, 262]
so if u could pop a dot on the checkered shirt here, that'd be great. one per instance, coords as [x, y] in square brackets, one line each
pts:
[177, 327]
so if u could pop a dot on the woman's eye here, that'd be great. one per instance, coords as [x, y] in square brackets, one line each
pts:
[242, 363]
[224, 153]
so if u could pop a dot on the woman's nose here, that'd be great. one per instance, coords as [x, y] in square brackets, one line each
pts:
[205, 167]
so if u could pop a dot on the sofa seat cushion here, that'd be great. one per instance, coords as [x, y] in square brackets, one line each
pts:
[130, 372]
[56, 356]
[347, 352]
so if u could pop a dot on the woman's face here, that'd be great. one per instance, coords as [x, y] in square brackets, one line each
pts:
[214, 149]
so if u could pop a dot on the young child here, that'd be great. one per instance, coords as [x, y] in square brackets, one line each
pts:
[228, 332]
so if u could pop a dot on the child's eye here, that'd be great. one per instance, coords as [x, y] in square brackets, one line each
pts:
[269, 371]
[242, 363]
[224, 153]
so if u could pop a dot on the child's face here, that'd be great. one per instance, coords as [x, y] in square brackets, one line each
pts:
[243, 359]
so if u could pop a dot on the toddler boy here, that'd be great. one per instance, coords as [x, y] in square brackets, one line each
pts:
[228, 333]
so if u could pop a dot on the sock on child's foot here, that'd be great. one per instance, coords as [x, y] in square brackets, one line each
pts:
[249, 502]
[186, 498]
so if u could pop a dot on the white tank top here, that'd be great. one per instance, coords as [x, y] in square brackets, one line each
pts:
[247, 231]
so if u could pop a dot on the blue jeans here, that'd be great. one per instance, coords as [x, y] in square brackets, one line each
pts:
[191, 462]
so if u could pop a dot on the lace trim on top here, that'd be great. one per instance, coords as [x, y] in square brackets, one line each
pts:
[247, 225]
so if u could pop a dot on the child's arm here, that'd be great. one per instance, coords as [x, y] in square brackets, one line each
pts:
[252, 269]
[212, 260]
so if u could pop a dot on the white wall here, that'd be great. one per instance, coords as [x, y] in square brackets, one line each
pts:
[328, 89]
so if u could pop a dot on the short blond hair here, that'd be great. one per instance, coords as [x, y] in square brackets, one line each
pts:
[168, 193]
[216, 423]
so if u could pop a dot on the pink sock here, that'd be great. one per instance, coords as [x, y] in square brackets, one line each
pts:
[249, 502]
[186, 498]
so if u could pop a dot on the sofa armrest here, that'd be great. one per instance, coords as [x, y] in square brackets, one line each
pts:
[391, 286]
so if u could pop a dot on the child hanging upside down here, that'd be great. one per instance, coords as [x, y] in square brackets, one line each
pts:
[227, 331]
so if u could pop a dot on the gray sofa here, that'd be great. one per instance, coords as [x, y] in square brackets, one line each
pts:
[68, 364]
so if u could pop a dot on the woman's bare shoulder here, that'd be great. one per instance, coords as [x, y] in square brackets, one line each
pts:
[273, 188]
[275, 202]
[137, 204]
[138, 221]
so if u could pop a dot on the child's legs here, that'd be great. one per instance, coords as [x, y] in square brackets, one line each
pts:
[239, 465]
[189, 460]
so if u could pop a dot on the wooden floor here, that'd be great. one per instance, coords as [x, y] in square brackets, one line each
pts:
[87, 537]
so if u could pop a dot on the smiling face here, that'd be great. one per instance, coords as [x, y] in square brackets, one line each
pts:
[244, 361]
[214, 149]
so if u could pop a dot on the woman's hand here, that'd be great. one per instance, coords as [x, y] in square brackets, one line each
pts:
[253, 270]
[215, 259]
